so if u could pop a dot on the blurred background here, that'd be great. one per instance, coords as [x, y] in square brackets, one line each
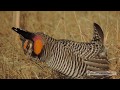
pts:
[72, 25]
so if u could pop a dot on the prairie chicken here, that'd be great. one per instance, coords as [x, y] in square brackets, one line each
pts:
[70, 58]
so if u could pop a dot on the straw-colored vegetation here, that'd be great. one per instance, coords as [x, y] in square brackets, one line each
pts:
[77, 26]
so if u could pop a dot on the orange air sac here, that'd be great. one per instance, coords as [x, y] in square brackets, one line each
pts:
[38, 45]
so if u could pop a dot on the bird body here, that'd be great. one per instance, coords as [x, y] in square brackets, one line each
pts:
[73, 59]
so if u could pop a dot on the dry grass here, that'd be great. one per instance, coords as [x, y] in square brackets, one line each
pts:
[77, 26]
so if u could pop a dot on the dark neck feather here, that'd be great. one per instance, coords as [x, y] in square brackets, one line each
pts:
[25, 34]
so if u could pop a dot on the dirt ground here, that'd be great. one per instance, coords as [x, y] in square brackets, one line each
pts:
[72, 25]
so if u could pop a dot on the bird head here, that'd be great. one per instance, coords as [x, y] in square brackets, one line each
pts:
[30, 41]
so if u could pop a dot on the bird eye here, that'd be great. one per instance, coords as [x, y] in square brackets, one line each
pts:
[27, 46]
